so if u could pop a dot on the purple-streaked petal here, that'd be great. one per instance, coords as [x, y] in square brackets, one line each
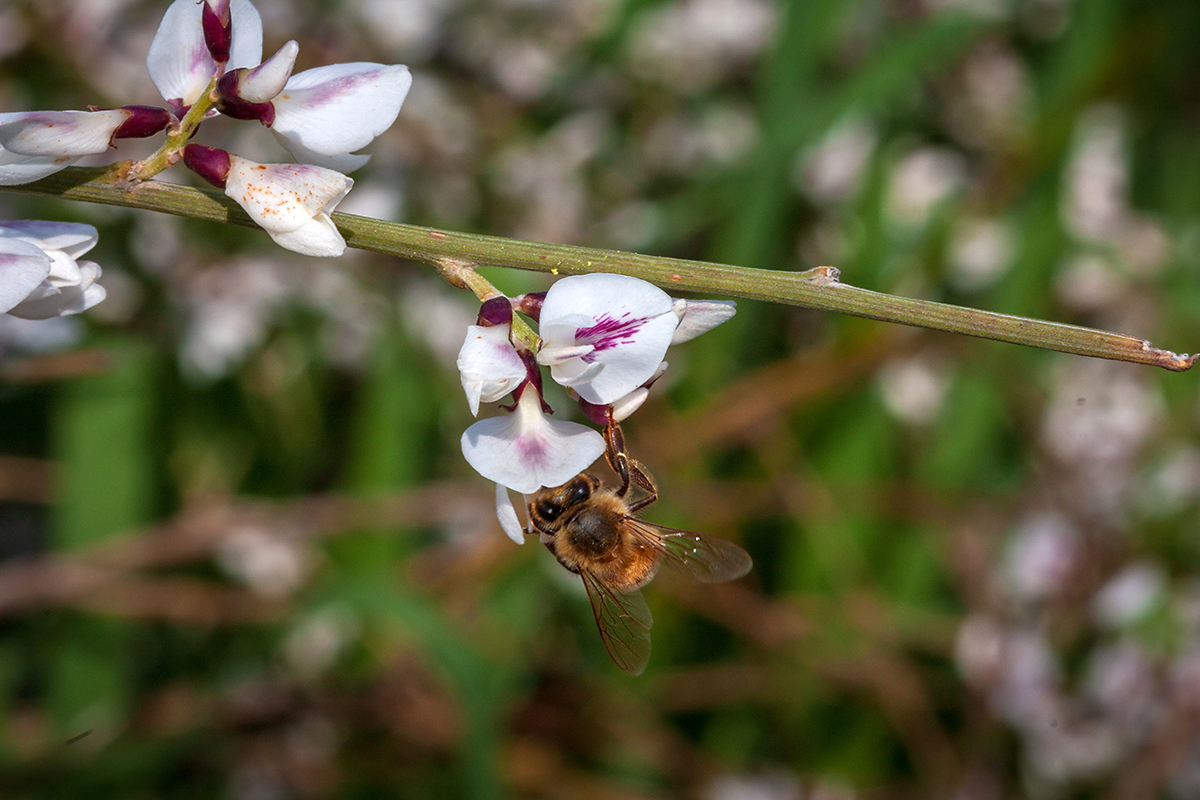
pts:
[179, 62]
[488, 365]
[628, 323]
[507, 514]
[340, 108]
[700, 316]
[525, 450]
[54, 134]
[23, 268]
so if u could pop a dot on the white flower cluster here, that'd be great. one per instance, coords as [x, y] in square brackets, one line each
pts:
[604, 338]
[40, 276]
[321, 116]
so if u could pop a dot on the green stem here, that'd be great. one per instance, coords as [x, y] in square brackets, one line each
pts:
[819, 288]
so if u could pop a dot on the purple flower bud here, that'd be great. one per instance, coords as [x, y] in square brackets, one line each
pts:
[218, 32]
[496, 311]
[143, 121]
[596, 413]
[530, 304]
[234, 107]
[210, 163]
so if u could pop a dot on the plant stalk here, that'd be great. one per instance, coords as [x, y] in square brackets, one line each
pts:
[819, 288]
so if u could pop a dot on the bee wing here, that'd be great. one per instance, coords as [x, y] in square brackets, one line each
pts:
[624, 621]
[708, 559]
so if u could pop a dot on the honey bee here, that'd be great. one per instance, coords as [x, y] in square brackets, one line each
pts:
[593, 532]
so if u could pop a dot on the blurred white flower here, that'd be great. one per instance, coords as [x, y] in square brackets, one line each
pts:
[689, 45]
[1095, 195]
[1041, 556]
[270, 564]
[1129, 595]
[832, 171]
[980, 252]
[921, 181]
[913, 389]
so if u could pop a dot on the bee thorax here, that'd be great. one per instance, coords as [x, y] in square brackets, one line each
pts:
[594, 533]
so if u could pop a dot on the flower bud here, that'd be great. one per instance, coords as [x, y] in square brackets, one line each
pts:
[210, 163]
[216, 21]
[495, 311]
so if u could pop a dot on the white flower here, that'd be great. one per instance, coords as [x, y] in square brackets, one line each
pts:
[292, 202]
[525, 450]
[34, 144]
[323, 115]
[489, 365]
[179, 61]
[66, 286]
[605, 335]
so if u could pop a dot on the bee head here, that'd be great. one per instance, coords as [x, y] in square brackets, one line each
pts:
[549, 504]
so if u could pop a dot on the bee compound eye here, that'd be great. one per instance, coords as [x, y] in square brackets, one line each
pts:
[547, 509]
[580, 490]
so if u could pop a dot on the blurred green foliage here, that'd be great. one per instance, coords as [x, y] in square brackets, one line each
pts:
[275, 577]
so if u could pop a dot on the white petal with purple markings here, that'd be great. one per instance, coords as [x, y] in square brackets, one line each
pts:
[627, 322]
[179, 62]
[339, 108]
[525, 450]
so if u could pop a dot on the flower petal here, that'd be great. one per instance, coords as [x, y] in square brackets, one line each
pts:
[526, 451]
[340, 108]
[61, 297]
[179, 62]
[54, 134]
[507, 514]
[318, 237]
[700, 316]
[291, 202]
[488, 365]
[262, 83]
[16, 170]
[344, 162]
[627, 321]
[23, 268]
[72, 238]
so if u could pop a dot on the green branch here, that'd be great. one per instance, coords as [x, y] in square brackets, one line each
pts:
[818, 288]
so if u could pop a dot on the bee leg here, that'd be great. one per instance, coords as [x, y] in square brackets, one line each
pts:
[627, 469]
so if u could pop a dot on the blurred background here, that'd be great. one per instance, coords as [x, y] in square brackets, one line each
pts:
[241, 555]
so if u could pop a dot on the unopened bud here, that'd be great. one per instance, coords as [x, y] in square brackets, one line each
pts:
[218, 30]
[495, 311]
[530, 304]
[143, 121]
[210, 163]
